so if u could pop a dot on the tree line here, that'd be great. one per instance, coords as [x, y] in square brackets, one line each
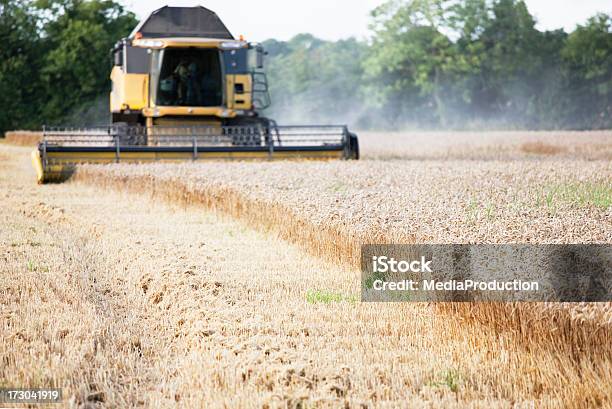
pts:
[55, 60]
[450, 64]
[427, 64]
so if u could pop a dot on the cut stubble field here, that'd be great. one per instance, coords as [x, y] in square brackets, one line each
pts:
[127, 299]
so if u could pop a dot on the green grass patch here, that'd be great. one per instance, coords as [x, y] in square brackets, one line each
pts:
[476, 210]
[369, 282]
[450, 379]
[33, 266]
[338, 187]
[583, 194]
[328, 297]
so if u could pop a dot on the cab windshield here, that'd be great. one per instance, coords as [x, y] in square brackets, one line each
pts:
[189, 77]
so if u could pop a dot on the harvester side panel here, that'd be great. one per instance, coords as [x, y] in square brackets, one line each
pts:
[130, 91]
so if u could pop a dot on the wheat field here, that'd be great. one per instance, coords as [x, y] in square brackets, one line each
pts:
[470, 145]
[236, 284]
[23, 138]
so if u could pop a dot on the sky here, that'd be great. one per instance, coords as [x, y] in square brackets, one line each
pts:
[259, 20]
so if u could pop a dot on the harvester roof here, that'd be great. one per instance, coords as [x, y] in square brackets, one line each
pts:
[182, 22]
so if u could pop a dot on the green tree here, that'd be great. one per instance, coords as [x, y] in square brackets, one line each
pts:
[54, 57]
[78, 35]
[19, 63]
[509, 69]
[410, 53]
[588, 62]
[314, 80]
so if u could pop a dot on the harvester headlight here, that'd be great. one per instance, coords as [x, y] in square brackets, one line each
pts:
[232, 45]
[151, 43]
[225, 113]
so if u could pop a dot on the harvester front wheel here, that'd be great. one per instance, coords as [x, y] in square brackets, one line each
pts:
[353, 147]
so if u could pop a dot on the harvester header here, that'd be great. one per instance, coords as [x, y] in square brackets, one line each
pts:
[183, 88]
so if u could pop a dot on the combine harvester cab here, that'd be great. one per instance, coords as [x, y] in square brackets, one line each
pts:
[183, 88]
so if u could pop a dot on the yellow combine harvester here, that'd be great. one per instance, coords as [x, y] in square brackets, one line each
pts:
[185, 89]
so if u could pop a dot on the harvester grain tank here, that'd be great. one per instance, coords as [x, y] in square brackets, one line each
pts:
[183, 88]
